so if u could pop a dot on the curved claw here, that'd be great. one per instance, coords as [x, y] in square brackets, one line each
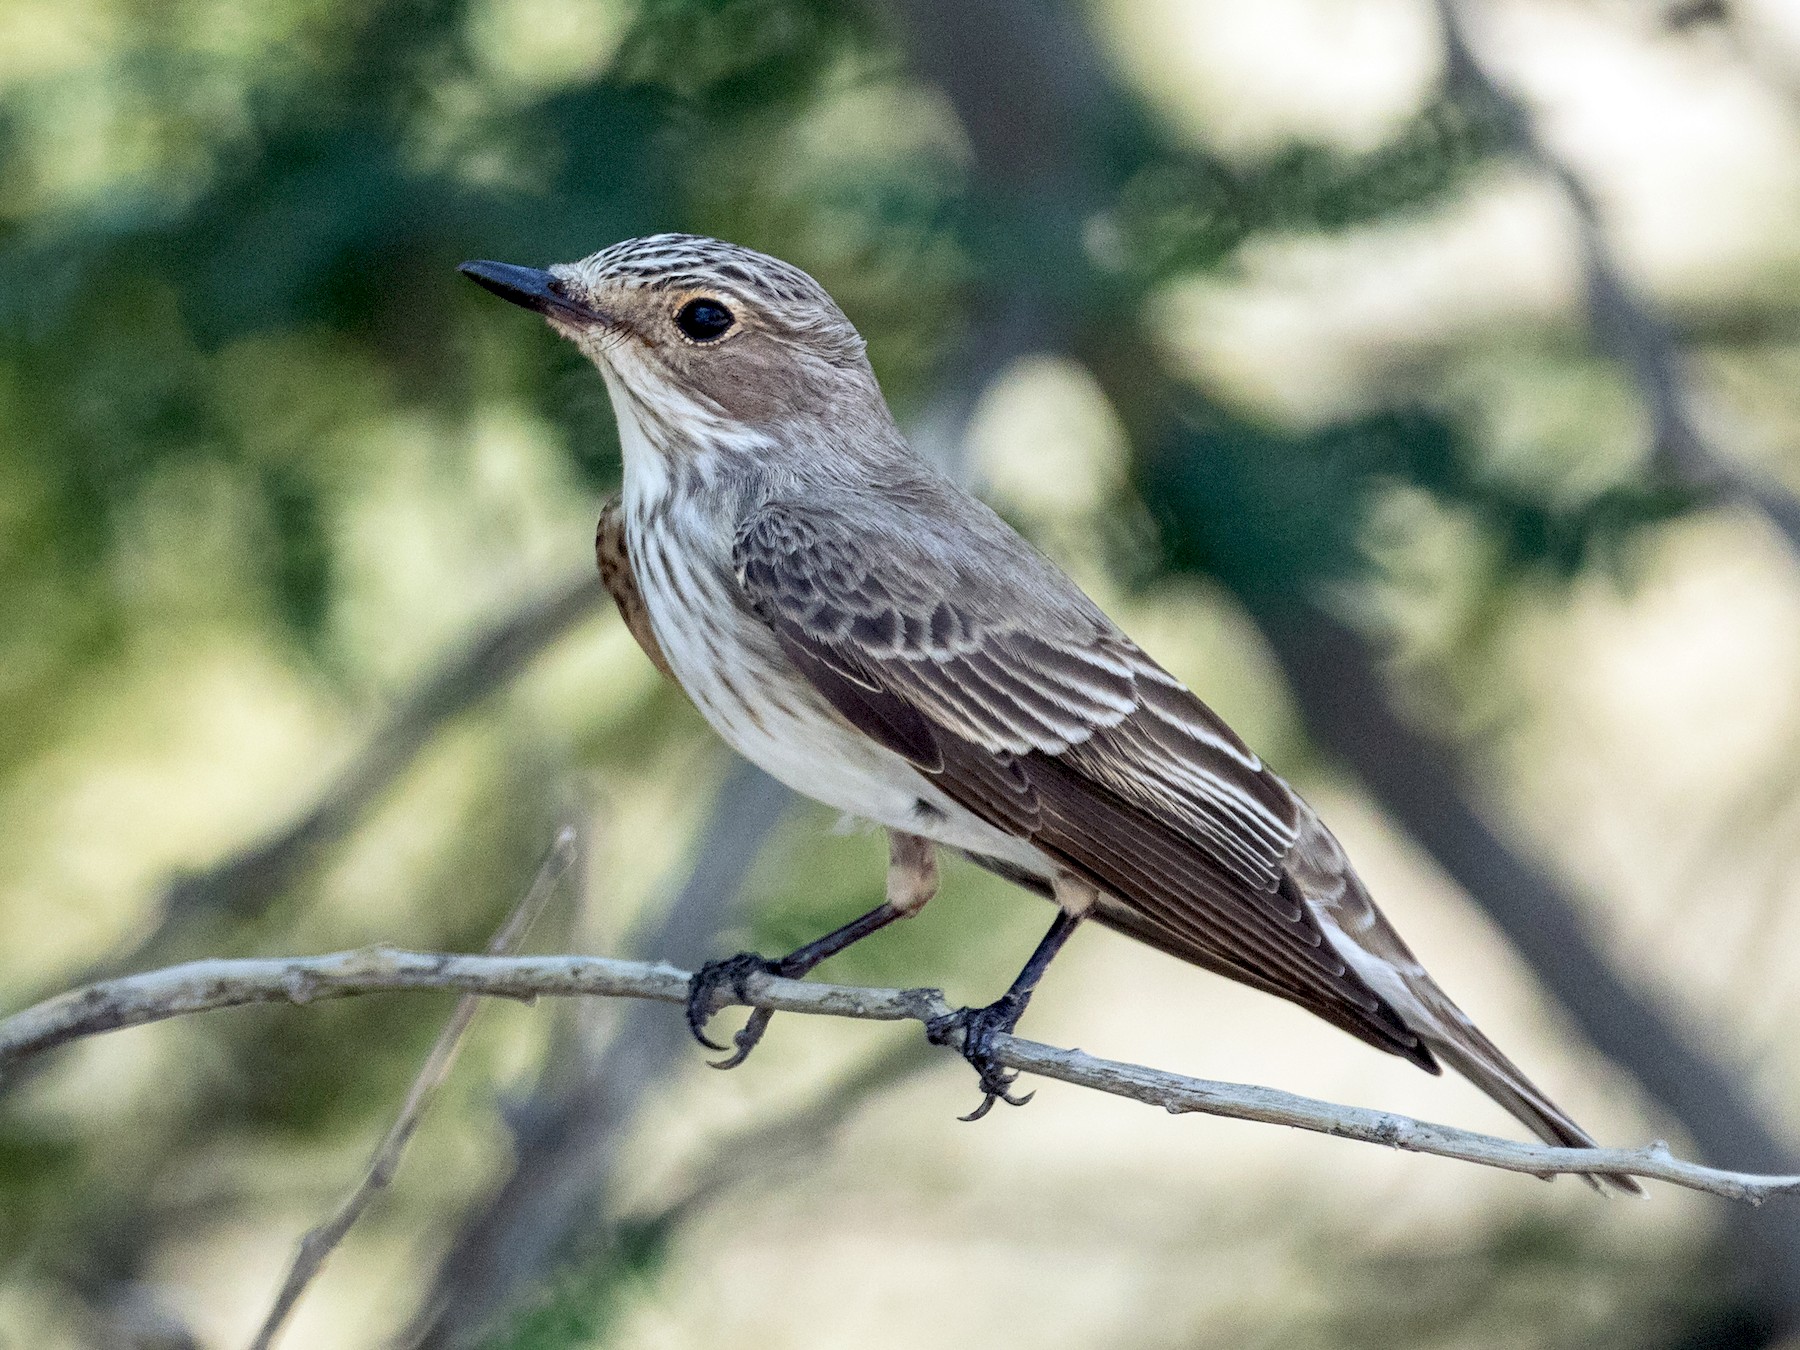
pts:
[732, 972]
[699, 1011]
[746, 1040]
[978, 1027]
[987, 1103]
[695, 1028]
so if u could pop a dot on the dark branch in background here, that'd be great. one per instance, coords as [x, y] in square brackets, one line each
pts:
[1624, 326]
[249, 881]
[245, 884]
[1026, 59]
[1708, 1098]
[795, 1137]
[611, 1250]
[1333, 675]
[200, 986]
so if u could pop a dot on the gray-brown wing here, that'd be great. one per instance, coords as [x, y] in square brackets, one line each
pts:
[992, 672]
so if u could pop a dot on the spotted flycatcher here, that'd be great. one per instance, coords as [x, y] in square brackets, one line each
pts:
[850, 620]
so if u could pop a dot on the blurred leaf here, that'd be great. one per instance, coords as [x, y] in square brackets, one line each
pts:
[1273, 513]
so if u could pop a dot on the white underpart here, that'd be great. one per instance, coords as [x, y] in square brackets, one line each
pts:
[723, 657]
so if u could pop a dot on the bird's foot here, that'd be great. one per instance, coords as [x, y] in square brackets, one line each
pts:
[979, 1026]
[733, 973]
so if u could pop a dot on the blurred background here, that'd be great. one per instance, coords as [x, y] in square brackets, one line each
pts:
[1421, 383]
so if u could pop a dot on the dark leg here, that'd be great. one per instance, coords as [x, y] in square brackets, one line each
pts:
[734, 971]
[912, 880]
[979, 1026]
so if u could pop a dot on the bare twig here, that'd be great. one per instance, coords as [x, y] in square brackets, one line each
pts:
[317, 1246]
[1623, 324]
[566, 1135]
[200, 985]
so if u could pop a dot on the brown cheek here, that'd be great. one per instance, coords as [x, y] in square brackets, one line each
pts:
[749, 383]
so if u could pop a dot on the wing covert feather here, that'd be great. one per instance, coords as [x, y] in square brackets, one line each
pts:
[1032, 710]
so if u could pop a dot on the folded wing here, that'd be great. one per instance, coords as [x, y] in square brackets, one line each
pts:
[989, 670]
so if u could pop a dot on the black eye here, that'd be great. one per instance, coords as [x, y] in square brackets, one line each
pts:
[703, 320]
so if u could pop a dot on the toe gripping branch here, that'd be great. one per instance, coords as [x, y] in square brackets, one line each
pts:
[733, 973]
[971, 1031]
[976, 1029]
[979, 1026]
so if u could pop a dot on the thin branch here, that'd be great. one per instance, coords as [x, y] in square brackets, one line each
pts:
[317, 1246]
[1623, 323]
[566, 1135]
[157, 995]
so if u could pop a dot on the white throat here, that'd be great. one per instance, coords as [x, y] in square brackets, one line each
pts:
[669, 439]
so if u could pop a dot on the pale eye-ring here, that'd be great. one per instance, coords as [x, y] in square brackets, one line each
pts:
[704, 319]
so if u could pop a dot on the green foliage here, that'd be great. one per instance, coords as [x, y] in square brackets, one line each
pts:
[339, 192]
[37, 1169]
[1276, 514]
[731, 60]
[1179, 213]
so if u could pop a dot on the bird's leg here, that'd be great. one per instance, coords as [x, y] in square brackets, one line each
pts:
[911, 881]
[1074, 898]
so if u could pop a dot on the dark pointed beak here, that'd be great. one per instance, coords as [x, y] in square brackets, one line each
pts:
[530, 288]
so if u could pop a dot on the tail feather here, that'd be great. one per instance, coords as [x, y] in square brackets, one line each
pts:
[1460, 1044]
[1368, 942]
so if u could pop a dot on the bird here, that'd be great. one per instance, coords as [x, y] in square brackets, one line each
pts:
[855, 623]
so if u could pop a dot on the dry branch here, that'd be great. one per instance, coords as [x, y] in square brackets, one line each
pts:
[319, 1243]
[201, 985]
[567, 1135]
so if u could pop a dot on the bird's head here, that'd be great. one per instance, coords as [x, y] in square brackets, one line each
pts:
[693, 330]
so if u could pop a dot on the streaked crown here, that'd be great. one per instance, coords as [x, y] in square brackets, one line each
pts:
[692, 262]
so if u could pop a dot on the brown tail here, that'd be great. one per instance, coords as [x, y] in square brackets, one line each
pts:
[1459, 1043]
[1368, 942]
